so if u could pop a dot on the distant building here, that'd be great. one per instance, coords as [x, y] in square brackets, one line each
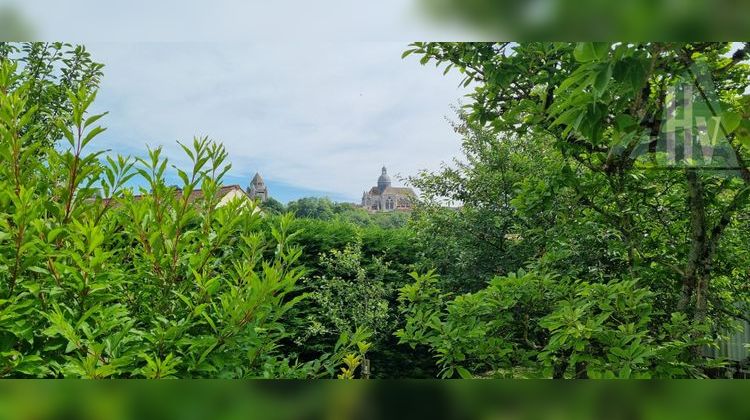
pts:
[224, 194]
[258, 188]
[385, 198]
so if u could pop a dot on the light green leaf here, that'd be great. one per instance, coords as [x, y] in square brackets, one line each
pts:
[585, 52]
[730, 121]
[465, 374]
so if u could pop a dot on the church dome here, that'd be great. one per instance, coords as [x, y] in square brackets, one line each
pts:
[384, 181]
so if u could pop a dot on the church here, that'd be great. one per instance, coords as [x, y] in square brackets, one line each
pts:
[257, 188]
[386, 198]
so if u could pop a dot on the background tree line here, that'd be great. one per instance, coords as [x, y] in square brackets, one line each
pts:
[570, 255]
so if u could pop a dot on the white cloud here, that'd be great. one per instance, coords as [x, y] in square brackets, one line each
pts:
[224, 20]
[318, 115]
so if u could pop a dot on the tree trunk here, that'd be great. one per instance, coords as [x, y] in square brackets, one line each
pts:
[582, 370]
[702, 249]
[561, 366]
[695, 279]
[559, 369]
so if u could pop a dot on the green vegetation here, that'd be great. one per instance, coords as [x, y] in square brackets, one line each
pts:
[571, 253]
[633, 258]
[155, 286]
[325, 209]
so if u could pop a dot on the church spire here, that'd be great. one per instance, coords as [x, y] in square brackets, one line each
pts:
[257, 188]
[384, 181]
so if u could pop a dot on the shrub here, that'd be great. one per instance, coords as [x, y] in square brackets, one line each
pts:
[482, 333]
[97, 281]
[606, 331]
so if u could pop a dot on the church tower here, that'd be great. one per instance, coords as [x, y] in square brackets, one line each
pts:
[257, 188]
[384, 181]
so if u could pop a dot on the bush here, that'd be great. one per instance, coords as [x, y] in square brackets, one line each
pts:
[478, 334]
[605, 331]
[96, 281]
[354, 282]
[522, 325]
[343, 298]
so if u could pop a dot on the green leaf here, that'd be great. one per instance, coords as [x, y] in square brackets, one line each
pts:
[730, 121]
[91, 134]
[407, 53]
[602, 79]
[93, 119]
[624, 122]
[465, 374]
[585, 52]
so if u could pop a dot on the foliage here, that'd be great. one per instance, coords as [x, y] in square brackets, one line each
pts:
[606, 329]
[50, 70]
[354, 360]
[312, 208]
[478, 333]
[162, 284]
[345, 297]
[563, 252]
[272, 206]
[525, 319]
[354, 281]
[324, 209]
[486, 234]
[564, 146]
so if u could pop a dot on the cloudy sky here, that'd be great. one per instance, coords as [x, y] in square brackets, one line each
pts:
[314, 118]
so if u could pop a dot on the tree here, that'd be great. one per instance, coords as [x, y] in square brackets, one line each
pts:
[273, 206]
[623, 209]
[312, 208]
[480, 236]
[51, 70]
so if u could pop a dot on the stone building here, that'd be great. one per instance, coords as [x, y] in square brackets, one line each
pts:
[258, 188]
[224, 195]
[385, 198]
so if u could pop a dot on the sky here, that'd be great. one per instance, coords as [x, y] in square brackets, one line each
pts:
[315, 118]
[229, 20]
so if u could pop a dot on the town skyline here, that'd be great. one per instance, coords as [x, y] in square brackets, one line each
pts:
[278, 117]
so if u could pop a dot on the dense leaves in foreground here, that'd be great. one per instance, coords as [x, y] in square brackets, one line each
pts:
[97, 281]
[603, 224]
[564, 252]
